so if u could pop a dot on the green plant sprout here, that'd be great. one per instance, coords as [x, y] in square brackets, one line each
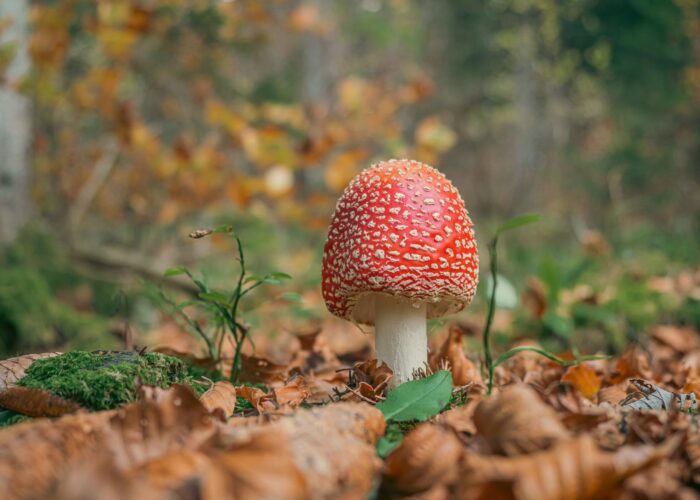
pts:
[222, 307]
[491, 365]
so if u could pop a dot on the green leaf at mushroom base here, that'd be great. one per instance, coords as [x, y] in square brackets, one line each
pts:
[418, 399]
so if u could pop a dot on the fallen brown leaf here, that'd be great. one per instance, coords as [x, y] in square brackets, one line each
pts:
[464, 371]
[413, 468]
[261, 401]
[260, 370]
[221, 396]
[460, 418]
[633, 363]
[36, 402]
[35, 455]
[370, 378]
[12, 369]
[573, 469]
[613, 394]
[516, 421]
[293, 393]
[146, 430]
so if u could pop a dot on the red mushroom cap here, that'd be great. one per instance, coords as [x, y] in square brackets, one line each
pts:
[400, 228]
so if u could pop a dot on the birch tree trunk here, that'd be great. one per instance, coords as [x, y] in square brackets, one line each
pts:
[14, 126]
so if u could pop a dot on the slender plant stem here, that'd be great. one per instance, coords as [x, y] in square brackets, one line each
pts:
[490, 363]
[492, 309]
[237, 294]
[562, 362]
[192, 324]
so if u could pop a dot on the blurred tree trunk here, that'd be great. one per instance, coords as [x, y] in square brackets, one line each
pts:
[14, 127]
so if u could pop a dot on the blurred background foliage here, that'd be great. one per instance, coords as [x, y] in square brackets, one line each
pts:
[151, 118]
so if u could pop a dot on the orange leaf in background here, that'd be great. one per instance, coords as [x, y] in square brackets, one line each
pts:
[584, 378]
[343, 168]
[633, 363]
[139, 19]
[241, 190]
[304, 18]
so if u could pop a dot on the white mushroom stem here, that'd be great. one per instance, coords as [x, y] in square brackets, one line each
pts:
[401, 336]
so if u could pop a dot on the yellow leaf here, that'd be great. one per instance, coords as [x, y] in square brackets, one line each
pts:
[435, 135]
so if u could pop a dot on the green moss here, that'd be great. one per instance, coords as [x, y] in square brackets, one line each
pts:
[104, 380]
[8, 418]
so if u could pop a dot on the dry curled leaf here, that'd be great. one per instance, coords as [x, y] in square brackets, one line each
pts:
[633, 363]
[293, 393]
[516, 421]
[654, 397]
[221, 397]
[12, 369]
[413, 467]
[370, 379]
[260, 370]
[573, 469]
[259, 399]
[463, 369]
[36, 402]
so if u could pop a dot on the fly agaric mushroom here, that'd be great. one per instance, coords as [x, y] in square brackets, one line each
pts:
[400, 250]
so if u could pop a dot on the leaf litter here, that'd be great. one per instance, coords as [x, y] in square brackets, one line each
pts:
[314, 426]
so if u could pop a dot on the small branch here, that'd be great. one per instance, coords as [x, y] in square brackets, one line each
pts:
[98, 177]
[116, 260]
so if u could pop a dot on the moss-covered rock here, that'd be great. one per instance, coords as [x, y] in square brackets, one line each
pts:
[104, 380]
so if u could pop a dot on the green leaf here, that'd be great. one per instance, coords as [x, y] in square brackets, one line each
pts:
[254, 277]
[516, 222]
[386, 445]
[278, 276]
[226, 228]
[418, 399]
[291, 297]
[214, 297]
[174, 271]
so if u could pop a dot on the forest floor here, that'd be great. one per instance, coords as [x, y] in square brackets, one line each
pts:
[323, 425]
